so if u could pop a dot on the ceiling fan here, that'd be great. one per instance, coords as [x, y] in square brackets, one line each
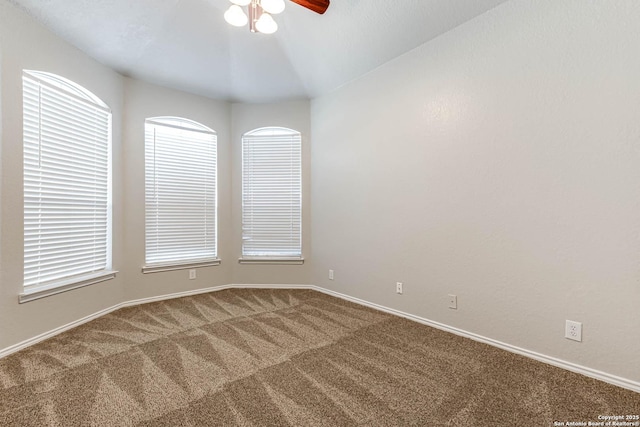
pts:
[260, 13]
[318, 6]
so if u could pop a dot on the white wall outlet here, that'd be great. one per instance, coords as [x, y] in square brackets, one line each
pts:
[573, 330]
[330, 274]
[192, 274]
[399, 287]
[453, 301]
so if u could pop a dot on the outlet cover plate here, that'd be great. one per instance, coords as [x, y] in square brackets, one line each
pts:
[453, 301]
[399, 288]
[573, 331]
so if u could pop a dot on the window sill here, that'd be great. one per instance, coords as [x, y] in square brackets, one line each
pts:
[37, 292]
[170, 266]
[282, 261]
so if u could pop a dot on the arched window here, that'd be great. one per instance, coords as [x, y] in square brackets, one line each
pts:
[180, 194]
[67, 186]
[272, 196]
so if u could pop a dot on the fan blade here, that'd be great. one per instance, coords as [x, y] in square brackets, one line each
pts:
[318, 6]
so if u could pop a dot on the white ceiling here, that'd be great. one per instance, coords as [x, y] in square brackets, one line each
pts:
[187, 45]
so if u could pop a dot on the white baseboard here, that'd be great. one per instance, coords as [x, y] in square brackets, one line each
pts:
[592, 373]
[569, 366]
[255, 286]
[52, 333]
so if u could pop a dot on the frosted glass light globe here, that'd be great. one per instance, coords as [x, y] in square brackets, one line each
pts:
[266, 24]
[241, 2]
[272, 6]
[236, 16]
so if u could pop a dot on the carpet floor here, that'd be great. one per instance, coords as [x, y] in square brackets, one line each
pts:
[285, 358]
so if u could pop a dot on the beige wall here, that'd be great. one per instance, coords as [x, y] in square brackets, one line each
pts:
[499, 162]
[26, 45]
[245, 118]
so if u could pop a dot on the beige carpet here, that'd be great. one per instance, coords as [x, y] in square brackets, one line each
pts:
[285, 357]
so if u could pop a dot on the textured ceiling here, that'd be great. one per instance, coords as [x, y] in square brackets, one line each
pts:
[187, 45]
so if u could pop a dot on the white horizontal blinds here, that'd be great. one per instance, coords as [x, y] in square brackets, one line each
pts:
[66, 181]
[180, 191]
[272, 194]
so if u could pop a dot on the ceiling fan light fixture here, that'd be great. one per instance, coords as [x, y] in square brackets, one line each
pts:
[241, 2]
[273, 6]
[266, 24]
[236, 16]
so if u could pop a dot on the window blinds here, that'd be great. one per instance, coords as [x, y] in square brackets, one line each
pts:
[66, 183]
[271, 194]
[180, 191]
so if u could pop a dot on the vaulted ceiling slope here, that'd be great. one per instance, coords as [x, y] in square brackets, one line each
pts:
[187, 45]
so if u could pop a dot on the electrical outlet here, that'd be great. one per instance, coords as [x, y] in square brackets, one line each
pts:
[453, 302]
[330, 274]
[573, 330]
[399, 287]
[192, 274]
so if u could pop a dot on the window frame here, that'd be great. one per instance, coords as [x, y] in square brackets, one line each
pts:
[271, 258]
[64, 89]
[188, 125]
